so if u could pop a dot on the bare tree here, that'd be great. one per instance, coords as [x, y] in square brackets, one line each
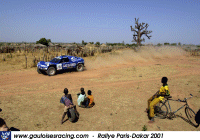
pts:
[139, 30]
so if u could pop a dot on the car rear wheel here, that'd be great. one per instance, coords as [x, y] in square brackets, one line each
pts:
[79, 67]
[51, 71]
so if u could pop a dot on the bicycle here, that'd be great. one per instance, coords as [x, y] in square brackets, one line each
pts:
[161, 110]
[73, 116]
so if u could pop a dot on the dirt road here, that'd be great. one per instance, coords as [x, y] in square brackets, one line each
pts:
[121, 88]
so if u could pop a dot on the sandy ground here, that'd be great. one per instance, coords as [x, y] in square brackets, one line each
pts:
[121, 83]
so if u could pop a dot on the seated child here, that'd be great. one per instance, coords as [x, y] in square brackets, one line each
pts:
[67, 101]
[90, 99]
[81, 98]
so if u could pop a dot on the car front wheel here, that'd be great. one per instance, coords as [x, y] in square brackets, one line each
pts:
[39, 71]
[51, 71]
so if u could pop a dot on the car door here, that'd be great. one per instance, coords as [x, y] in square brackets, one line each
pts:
[65, 63]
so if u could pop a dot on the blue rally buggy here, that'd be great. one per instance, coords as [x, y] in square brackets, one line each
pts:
[60, 63]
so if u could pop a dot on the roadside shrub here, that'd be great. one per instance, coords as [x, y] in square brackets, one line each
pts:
[9, 55]
[3, 58]
[34, 62]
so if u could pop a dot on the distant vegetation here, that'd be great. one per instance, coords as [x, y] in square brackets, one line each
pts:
[44, 41]
[166, 43]
[29, 54]
[17, 44]
[174, 44]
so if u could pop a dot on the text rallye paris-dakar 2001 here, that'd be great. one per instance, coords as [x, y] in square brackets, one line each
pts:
[133, 135]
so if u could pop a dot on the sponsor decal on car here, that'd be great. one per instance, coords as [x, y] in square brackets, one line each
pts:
[69, 65]
[73, 59]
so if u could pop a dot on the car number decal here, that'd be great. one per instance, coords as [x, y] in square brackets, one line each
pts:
[59, 66]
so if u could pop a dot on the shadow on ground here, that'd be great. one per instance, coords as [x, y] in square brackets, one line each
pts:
[62, 71]
[188, 121]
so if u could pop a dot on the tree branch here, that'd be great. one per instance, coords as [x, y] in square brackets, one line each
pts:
[148, 36]
[132, 29]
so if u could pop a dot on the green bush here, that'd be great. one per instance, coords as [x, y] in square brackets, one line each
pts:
[97, 43]
[159, 44]
[144, 128]
[173, 44]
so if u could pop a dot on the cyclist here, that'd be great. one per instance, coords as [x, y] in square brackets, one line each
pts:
[157, 97]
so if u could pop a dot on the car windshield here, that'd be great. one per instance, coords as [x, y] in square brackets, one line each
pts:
[55, 60]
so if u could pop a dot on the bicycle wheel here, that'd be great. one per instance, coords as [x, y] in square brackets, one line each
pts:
[71, 114]
[161, 110]
[191, 116]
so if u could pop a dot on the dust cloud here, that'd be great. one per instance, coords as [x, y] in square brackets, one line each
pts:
[144, 54]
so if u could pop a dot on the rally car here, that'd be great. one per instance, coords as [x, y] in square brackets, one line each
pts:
[60, 63]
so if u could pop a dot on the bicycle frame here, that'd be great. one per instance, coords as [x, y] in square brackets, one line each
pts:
[171, 114]
[185, 101]
[178, 108]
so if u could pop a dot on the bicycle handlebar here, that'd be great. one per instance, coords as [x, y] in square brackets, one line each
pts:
[185, 99]
[179, 100]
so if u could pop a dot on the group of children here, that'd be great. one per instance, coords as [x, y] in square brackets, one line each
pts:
[83, 101]
[88, 102]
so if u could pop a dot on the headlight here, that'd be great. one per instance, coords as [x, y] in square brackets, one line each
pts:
[47, 64]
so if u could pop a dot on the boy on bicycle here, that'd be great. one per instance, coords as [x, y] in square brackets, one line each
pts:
[157, 97]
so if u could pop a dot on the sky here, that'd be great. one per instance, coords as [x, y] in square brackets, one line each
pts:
[109, 21]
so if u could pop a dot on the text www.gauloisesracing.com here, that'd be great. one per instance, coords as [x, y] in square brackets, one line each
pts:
[68, 136]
